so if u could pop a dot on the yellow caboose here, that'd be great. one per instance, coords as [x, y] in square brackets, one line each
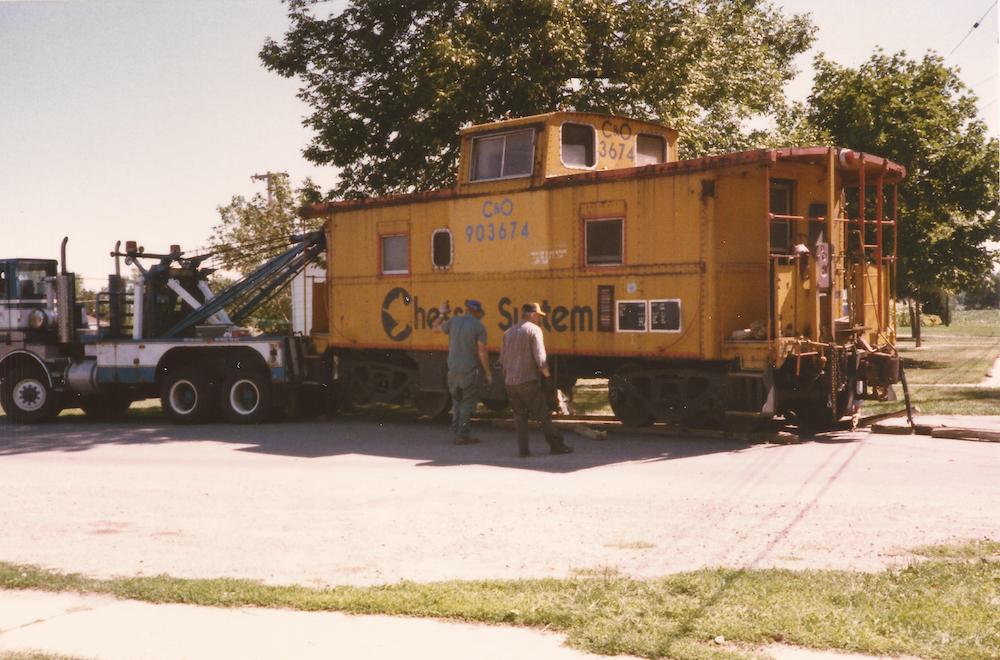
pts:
[728, 287]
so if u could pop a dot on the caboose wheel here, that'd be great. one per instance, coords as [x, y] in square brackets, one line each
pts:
[432, 404]
[628, 394]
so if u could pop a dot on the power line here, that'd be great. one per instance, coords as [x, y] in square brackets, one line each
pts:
[974, 26]
[984, 80]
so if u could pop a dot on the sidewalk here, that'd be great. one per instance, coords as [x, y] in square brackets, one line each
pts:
[97, 626]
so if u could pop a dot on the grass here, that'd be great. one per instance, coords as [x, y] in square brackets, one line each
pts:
[591, 397]
[944, 607]
[145, 409]
[931, 400]
[969, 550]
[955, 355]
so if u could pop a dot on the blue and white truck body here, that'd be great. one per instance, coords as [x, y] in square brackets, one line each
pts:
[164, 335]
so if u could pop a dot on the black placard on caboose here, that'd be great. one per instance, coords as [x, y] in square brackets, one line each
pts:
[665, 315]
[631, 316]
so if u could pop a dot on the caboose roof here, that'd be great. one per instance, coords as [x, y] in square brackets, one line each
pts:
[559, 116]
[849, 163]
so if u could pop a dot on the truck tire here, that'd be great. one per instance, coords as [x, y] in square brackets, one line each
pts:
[187, 396]
[246, 398]
[27, 397]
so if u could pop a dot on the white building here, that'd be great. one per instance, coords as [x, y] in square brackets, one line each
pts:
[302, 298]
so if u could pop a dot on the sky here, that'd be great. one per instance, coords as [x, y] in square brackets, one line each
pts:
[135, 120]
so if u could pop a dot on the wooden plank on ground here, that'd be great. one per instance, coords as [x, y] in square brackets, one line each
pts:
[872, 419]
[893, 429]
[954, 433]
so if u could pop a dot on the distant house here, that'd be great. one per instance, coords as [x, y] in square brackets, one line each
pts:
[302, 298]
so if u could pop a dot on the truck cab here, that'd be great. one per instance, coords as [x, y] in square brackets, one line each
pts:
[23, 290]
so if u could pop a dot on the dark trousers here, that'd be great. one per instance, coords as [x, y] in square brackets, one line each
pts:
[528, 399]
[466, 390]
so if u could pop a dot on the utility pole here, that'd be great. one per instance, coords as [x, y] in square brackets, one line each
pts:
[269, 177]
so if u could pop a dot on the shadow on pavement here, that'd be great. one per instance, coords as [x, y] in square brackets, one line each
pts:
[428, 443]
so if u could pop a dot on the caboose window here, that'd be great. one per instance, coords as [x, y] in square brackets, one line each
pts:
[651, 150]
[441, 248]
[604, 241]
[578, 145]
[395, 254]
[782, 193]
[502, 156]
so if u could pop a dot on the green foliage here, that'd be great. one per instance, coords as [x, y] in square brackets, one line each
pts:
[983, 295]
[942, 608]
[919, 114]
[252, 231]
[87, 296]
[390, 84]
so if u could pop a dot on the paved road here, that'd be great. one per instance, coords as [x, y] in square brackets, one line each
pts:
[360, 502]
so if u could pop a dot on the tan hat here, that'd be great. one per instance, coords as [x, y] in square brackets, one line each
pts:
[532, 308]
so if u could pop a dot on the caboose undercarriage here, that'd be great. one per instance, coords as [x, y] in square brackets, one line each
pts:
[814, 385]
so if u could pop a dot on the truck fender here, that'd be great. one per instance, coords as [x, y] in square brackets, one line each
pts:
[10, 357]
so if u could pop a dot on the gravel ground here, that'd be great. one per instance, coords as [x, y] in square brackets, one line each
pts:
[360, 502]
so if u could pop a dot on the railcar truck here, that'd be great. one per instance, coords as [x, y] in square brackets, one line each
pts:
[166, 334]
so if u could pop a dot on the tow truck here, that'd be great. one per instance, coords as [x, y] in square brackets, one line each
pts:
[165, 334]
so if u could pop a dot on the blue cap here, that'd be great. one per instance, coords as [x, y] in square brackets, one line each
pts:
[474, 305]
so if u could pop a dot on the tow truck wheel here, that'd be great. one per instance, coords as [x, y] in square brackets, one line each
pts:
[246, 398]
[187, 396]
[27, 397]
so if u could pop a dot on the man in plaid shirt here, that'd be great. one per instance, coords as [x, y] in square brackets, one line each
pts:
[523, 359]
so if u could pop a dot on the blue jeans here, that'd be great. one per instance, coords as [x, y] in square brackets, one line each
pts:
[466, 391]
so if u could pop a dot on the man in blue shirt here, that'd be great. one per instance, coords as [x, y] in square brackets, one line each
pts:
[468, 365]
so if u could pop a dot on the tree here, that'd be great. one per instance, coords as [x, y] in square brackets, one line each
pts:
[985, 295]
[919, 114]
[390, 84]
[251, 232]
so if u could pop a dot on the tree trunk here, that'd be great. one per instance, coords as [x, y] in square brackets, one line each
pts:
[916, 322]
